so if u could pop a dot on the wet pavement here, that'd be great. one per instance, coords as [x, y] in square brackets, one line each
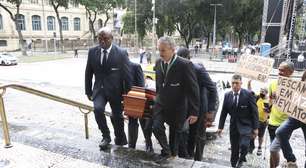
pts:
[53, 133]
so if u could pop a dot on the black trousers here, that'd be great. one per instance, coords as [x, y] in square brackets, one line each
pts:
[197, 139]
[239, 145]
[116, 119]
[160, 134]
[146, 126]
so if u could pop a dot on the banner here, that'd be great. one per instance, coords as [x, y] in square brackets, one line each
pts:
[254, 67]
[291, 98]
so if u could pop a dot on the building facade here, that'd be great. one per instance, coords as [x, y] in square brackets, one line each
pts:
[39, 25]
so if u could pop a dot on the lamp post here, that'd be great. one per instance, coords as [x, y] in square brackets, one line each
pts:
[215, 26]
[154, 21]
[136, 34]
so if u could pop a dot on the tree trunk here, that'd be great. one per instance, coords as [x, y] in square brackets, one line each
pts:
[21, 41]
[91, 25]
[61, 45]
[186, 41]
[240, 37]
[92, 30]
[107, 18]
[14, 19]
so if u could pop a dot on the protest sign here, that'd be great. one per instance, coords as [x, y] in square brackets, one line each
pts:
[291, 98]
[254, 67]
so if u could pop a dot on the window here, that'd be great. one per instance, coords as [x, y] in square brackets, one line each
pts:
[1, 23]
[20, 22]
[65, 24]
[77, 24]
[3, 43]
[36, 25]
[51, 23]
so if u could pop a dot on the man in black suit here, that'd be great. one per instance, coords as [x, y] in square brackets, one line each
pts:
[241, 106]
[146, 124]
[110, 66]
[177, 92]
[208, 95]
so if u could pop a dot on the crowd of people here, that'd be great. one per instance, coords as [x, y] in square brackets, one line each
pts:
[185, 101]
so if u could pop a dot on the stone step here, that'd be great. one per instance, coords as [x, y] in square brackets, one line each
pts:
[115, 156]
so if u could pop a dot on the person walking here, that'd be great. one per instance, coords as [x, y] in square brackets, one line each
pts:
[109, 64]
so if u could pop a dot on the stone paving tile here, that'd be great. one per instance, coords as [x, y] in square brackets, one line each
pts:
[23, 156]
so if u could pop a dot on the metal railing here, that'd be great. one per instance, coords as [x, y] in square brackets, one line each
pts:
[85, 109]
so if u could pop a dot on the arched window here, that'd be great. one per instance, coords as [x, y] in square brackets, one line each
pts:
[77, 24]
[51, 23]
[21, 25]
[1, 22]
[65, 23]
[36, 23]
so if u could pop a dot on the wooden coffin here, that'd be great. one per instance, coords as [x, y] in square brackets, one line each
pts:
[138, 102]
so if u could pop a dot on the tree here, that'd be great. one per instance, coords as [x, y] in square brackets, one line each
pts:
[15, 18]
[185, 16]
[245, 17]
[56, 4]
[144, 18]
[95, 7]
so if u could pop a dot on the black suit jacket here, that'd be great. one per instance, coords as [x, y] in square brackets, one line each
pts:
[246, 116]
[208, 90]
[112, 80]
[137, 75]
[179, 88]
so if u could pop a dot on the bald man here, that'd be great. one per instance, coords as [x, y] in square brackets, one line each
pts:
[109, 64]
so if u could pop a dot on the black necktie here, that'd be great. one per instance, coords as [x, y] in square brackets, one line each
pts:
[235, 100]
[165, 68]
[104, 57]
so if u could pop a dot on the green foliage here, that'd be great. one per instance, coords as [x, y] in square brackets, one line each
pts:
[144, 18]
[194, 18]
[15, 2]
[246, 17]
[60, 3]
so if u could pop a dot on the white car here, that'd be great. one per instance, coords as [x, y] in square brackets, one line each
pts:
[8, 59]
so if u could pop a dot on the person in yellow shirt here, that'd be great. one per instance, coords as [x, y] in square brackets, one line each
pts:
[277, 117]
[263, 106]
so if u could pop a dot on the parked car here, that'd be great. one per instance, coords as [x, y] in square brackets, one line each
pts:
[8, 59]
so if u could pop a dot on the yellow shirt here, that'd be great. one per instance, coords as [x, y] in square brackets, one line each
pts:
[276, 116]
[261, 113]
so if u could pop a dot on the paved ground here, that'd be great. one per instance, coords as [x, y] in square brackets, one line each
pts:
[56, 132]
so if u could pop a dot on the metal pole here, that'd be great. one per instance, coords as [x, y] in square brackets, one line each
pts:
[153, 31]
[215, 26]
[136, 34]
[6, 136]
[291, 30]
[86, 125]
[214, 31]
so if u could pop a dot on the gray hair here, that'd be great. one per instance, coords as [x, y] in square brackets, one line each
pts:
[237, 77]
[105, 30]
[168, 41]
[289, 65]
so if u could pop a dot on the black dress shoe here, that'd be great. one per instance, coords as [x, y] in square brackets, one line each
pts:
[239, 164]
[120, 141]
[149, 148]
[104, 143]
[163, 157]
